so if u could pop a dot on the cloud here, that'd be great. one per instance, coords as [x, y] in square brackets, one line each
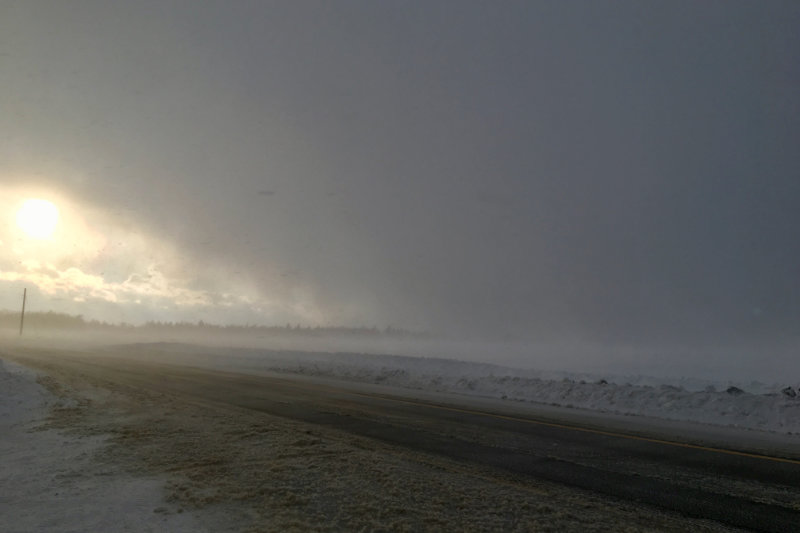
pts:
[77, 285]
[527, 171]
[99, 258]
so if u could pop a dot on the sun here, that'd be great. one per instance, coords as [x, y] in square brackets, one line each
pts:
[38, 218]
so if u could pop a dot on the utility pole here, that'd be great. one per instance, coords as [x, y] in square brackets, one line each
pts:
[22, 316]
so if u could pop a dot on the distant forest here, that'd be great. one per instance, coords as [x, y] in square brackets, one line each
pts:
[38, 322]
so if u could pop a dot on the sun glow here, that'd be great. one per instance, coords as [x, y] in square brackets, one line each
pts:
[38, 218]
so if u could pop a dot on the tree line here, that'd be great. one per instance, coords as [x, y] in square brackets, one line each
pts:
[53, 321]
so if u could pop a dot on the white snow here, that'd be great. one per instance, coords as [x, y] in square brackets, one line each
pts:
[51, 481]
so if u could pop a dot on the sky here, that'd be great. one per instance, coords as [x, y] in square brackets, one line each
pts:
[600, 171]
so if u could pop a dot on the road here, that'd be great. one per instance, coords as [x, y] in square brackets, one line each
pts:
[736, 488]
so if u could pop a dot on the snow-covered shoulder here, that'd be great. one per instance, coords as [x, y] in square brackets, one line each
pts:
[21, 398]
[50, 480]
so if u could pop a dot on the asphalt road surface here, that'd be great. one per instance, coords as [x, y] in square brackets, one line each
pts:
[736, 488]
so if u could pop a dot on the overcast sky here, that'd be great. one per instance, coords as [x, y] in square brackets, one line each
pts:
[565, 169]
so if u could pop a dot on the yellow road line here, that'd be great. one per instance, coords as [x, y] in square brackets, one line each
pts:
[583, 429]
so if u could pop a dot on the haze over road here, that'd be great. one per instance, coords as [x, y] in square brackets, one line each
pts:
[741, 489]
